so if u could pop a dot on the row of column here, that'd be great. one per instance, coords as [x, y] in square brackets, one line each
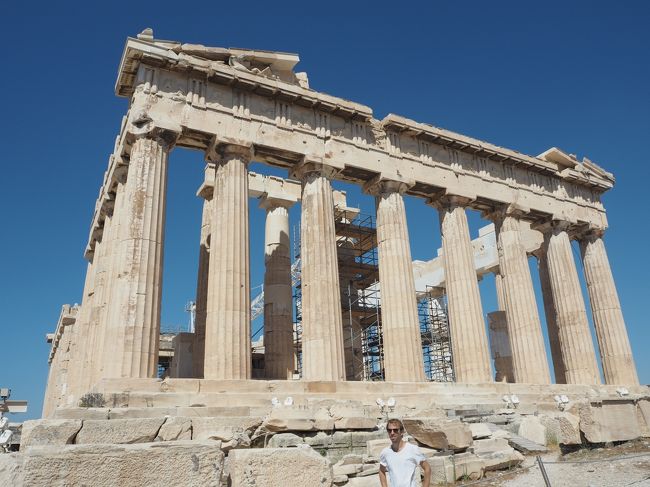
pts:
[323, 354]
[120, 314]
[571, 344]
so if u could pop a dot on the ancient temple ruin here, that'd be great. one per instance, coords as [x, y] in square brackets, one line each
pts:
[355, 331]
[238, 105]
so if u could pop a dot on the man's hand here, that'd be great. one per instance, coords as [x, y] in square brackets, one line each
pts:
[427, 473]
[382, 476]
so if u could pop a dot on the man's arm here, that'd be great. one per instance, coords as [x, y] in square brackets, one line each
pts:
[382, 476]
[427, 473]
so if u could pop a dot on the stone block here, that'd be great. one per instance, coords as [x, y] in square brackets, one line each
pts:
[370, 481]
[350, 459]
[348, 469]
[369, 470]
[281, 420]
[562, 428]
[175, 428]
[439, 434]
[448, 469]
[119, 431]
[273, 467]
[131, 413]
[480, 430]
[49, 432]
[284, 440]
[643, 413]
[532, 429]
[81, 413]
[609, 421]
[355, 423]
[497, 454]
[376, 446]
[11, 472]
[224, 428]
[187, 463]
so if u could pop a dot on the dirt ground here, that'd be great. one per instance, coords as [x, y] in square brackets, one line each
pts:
[613, 466]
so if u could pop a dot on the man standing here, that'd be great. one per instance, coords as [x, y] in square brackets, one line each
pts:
[401, 460]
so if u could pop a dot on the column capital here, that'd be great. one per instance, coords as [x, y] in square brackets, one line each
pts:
[501, 211]
[590, 234]
[270, 201]
[315, 166]
[227, 147]
[552, 226]
[450, 201]
[382, 184]
[142, 126]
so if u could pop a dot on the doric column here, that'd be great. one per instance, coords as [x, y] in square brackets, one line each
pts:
[322, 338]
[202, 277]
[228, 314]
[550, 313]
[278, 323]
[614, 344]
[103, 350]
[134, 309]
[403, 359]
[524, 329]
[576, 344]
[78, 339]
[468, 333]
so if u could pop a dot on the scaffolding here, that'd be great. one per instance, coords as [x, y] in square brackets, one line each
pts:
[436, 336]
[356, 238]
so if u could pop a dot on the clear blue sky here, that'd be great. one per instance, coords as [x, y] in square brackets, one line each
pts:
[524, 75]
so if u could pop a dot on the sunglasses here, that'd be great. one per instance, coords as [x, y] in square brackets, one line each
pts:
[393, 430]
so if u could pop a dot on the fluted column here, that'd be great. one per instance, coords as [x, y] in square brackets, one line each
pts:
[573, 328]
[550, 313]
[524, 328]
[614, 344]
[322, 334]
[78, 339]
[403, 359]
[202, 277]
[468, 333]
[134, 310]
[103, 349]
[278, 323]
[227, 326]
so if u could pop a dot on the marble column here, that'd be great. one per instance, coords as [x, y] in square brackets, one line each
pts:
[78, 339]
[576, 344]
[103, 346]
[101, 258]
[550, 313]
[278, 323]
[228, 315]
[614, 344]
[524, 328]
[468, 332]
[403, 360]
[322, 333]
[198, 354]
[133, 323]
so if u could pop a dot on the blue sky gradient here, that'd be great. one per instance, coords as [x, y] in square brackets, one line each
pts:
[523, 75]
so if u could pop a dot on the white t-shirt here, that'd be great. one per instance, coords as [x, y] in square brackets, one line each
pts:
[402, 465]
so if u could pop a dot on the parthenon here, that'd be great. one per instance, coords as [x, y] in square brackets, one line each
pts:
[238, 106]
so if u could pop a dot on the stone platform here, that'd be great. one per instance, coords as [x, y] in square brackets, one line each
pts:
[185, 396]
